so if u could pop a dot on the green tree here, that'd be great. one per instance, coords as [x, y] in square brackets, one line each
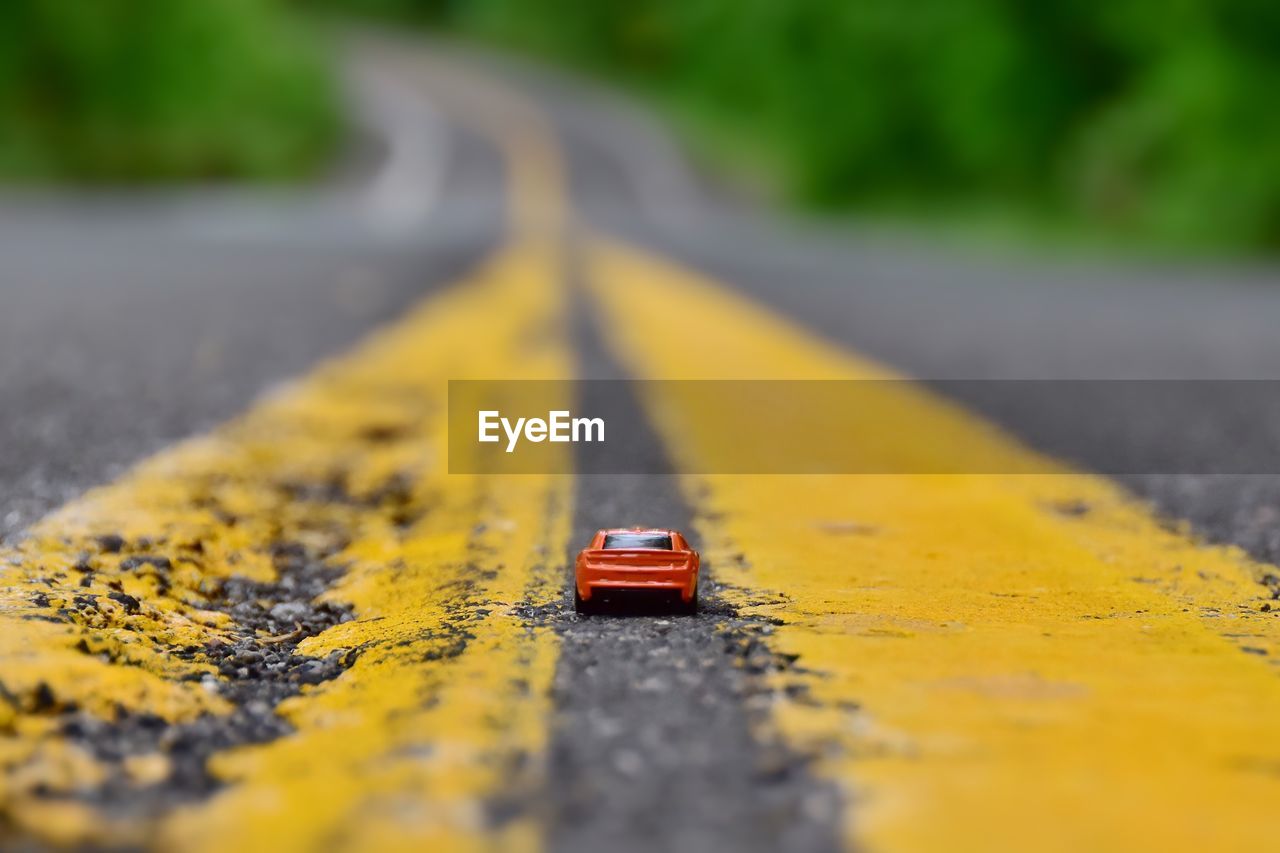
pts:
[152, 89]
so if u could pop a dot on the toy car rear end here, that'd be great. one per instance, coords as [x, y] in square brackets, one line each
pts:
[616, 572]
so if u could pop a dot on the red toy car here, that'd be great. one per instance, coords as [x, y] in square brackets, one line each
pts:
[636, 559]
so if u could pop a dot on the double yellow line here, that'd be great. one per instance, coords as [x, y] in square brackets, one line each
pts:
[976, 667]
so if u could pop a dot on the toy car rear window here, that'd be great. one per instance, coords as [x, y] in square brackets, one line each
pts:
[637, 540]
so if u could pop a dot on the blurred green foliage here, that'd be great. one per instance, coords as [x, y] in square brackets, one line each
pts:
[1150, 117]
[154, 89]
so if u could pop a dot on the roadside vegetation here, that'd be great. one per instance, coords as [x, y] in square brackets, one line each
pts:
[143, 90]
[1144, 119]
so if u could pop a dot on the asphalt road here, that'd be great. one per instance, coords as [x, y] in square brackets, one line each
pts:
[131, 323]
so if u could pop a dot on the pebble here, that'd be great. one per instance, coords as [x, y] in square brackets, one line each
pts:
[289, 612]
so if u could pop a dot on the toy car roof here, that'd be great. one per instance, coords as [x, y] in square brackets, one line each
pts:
[666, 530]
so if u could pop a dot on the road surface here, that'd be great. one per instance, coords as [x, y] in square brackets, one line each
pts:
[246, 606]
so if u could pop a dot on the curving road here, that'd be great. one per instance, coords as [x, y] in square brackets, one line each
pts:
[534, 214]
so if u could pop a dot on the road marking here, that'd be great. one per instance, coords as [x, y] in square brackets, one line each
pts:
[394, 202]
[446, 701]
[406, 188]
[983, 662]
[515, 125]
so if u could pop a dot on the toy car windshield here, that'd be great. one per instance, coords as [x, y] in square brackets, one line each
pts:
[637, 540]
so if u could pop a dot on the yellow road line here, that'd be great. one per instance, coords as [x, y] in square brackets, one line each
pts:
[979, 669]
[446, 700]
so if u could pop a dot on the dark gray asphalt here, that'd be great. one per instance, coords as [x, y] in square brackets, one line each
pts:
[659, 742]
[124, 327]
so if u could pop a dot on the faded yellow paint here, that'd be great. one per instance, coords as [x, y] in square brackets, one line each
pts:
[401, 751]
[986, 662]
[446, 700]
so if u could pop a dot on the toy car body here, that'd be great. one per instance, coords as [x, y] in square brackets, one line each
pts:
[636, 559]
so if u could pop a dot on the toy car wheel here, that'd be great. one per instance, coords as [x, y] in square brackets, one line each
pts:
[690, 607]
[581, 605]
